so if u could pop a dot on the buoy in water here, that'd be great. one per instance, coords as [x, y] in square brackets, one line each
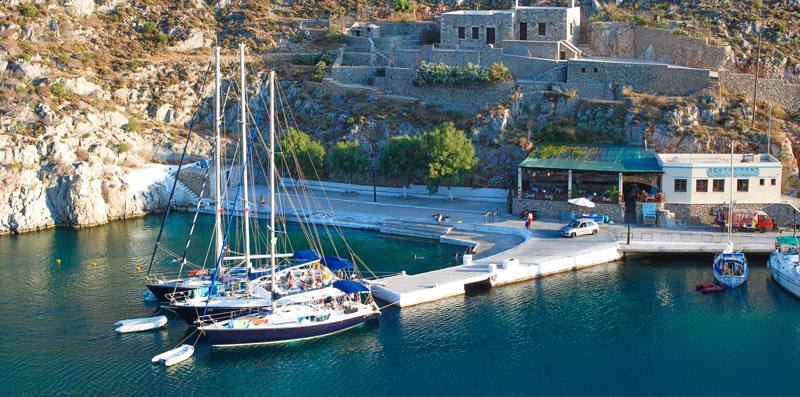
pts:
[58, 261]
[138, 269]
[94, 264]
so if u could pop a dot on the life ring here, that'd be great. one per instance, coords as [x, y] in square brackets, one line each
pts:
[326, 277]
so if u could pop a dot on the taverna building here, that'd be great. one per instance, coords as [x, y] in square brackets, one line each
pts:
[706, 178]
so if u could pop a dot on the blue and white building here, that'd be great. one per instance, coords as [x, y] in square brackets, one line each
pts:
[706, 178]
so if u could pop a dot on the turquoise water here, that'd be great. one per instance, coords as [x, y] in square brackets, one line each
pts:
[634, 327]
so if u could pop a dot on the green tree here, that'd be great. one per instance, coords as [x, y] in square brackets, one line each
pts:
[450, 157]
[404, 158]
[348, 159]
[299, 154]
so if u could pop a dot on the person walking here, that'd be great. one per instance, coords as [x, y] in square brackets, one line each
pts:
[529, 224]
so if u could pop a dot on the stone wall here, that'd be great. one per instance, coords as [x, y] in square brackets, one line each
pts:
[358, 58]
[625, 40]
[353, 74]
[660, 45]
[451, 21]
[455, 57]
[404, 28]
[531, 49]
[409, 59]
[528, 68]
[398, 82]
[705, 214]
[642, 77]
[776, 91]
[548, 209]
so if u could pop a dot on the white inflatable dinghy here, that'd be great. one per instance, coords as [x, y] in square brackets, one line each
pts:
[174, 356]
[140, 324]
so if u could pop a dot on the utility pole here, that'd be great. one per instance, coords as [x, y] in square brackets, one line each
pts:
[755, 83]
[769, 127]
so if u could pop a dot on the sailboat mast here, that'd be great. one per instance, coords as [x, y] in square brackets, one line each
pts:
[243, 122]
[217, 156]
[272, 239]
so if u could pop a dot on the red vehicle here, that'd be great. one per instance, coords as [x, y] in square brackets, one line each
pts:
[747, 220]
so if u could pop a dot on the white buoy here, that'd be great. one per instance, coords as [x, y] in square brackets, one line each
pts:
[174, 356]
[140, 324]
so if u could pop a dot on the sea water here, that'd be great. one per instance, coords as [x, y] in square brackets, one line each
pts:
[627, 328]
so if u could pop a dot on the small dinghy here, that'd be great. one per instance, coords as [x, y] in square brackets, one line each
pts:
[140, 324]
[174, 356]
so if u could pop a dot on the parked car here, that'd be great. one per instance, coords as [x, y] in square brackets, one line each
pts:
[579, 227]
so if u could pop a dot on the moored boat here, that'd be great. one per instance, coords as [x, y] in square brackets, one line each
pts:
[784, 264]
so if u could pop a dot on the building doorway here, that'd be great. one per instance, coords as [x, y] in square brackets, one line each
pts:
[523, 31]
[562, 55]
[489, 35]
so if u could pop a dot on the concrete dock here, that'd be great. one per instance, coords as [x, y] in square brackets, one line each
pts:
[506, 251]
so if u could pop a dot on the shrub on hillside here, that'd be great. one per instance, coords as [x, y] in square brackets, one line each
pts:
[58, 89]
[149, 28]
[27, 10]
[402, 5]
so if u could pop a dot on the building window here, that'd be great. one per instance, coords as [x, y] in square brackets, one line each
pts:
[719, 185]
[462, 32]
[523, 31]
[583, 70]
[476, 33]
[542, 29]
[562, 55]
[702, 185]
[490, 35]
[595, 70]
[742, 185]
[570, 28]
[761, 181]
[680, 185]
[773, 181]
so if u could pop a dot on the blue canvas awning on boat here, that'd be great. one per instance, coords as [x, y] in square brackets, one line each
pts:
[334, 263]
[349, 287]
[306, 255]
[733, 255]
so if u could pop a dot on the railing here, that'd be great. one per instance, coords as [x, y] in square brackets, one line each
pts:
[492, 213]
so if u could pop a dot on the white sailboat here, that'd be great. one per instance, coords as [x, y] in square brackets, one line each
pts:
[784, 264]
[344, 304]
[730, 268]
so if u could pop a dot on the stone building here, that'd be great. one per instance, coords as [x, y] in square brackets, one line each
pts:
[528, 29]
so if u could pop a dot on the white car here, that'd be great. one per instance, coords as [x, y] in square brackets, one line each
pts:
[579, 227]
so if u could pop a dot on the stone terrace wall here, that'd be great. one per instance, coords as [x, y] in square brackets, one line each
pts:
[661, 45]
[627, 41]
[404, 28]
[702, 215]
[464, 99]
[533, 49]
[548, 209]
[653, 78]
[776, 91]
[455, 57]
[528, 68]
[353, 74]
[409, 59]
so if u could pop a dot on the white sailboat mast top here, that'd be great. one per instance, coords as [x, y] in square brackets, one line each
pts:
[243, 122]
[272, 239]
[217, 156]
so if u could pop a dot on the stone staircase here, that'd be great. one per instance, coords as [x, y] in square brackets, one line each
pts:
[431, 231]
[560, 73]
[586, 50]
[182, 192]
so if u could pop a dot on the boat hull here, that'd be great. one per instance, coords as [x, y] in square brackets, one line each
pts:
[190, 314]
[783, 280]
[161, 290]
[252, 336]
[730, 281]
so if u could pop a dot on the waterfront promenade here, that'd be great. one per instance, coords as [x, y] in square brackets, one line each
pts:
[504, 250]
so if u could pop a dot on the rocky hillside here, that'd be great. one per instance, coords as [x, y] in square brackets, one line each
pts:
[93, 90]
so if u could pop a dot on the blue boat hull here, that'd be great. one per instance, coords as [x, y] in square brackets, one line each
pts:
[249, 336]
[161, 290]
[191, 314]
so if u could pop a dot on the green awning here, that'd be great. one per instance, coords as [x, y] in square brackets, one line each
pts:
[606, 158]
[788, 240]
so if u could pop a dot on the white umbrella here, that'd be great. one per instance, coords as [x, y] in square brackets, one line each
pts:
[581, 202]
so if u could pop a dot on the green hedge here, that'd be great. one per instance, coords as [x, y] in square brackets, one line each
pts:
[441, 74]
